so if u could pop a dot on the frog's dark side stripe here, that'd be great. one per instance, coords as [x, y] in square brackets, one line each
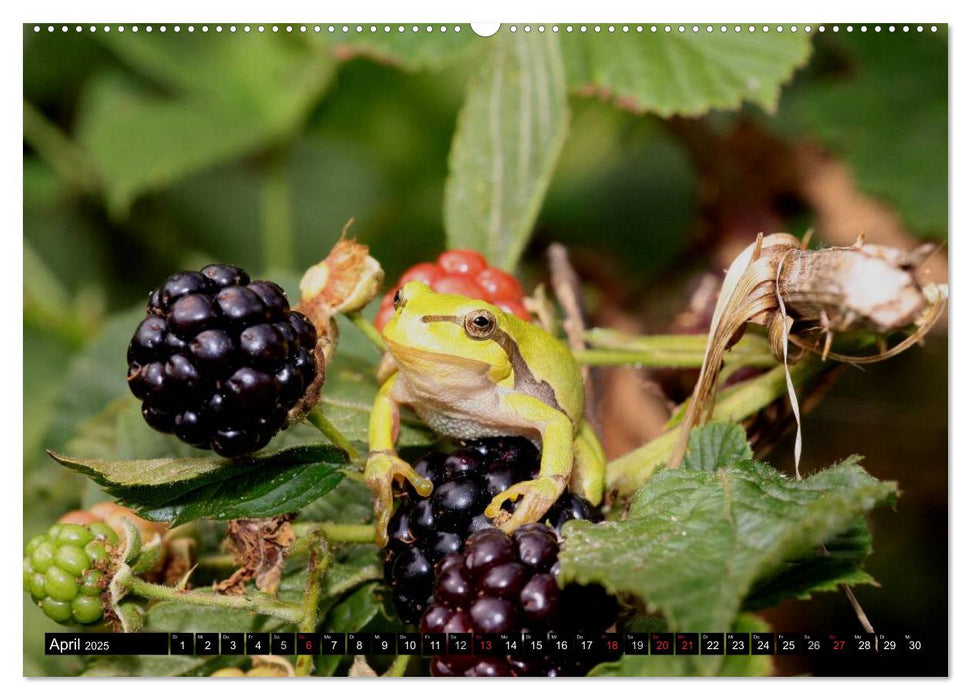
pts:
[523, 379]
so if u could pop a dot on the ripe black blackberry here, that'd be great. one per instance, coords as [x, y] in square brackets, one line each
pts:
[219, 360]
[424, 530]
[503, 584]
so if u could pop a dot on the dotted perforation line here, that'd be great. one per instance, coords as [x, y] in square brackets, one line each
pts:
[442, 29]
[257, 28]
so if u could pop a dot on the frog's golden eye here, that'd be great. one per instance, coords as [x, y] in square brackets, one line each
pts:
[398, 300]
[480, 324]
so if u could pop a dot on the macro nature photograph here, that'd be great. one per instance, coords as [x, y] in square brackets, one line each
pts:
[369, 349]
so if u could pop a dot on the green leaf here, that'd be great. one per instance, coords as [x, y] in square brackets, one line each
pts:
[152, 666]
[95, 377]
[509, 135]
[181, 617]
[408, 49]
[695, 543]
[225, 95]
[350, 502]
[184, 489]
[365, 608]
[630, 666]
[683, 73]
[718, 445]
[881, 102]
[817, 572]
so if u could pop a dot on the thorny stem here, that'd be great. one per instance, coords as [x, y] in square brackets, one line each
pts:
[367, 328]
[320, 559]
[261, 606]
[317, 418]
[351, 533]
[629, 472]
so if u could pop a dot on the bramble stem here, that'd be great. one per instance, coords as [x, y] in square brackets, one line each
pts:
[367, 328]
[628, 473]
[335, 532]
[317, 419]
[261, 606]
[320, 559]
[610, 348]
[347, 532]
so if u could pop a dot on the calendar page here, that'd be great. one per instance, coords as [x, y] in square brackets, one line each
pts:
[526, 349]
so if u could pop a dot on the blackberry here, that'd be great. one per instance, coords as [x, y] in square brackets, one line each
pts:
[423, 531]
[219, 360]
[66, 571]
[502, 584]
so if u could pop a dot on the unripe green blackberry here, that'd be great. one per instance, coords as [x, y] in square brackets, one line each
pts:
[66, 571]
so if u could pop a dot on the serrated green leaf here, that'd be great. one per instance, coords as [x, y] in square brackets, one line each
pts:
[695, 543]
[183, 489]
[682, 72]
[716, 445]
[252, 495]
[885, 110]
[172, 472]
[509, 135]
[817, 572]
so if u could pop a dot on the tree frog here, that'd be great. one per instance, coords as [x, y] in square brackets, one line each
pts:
[470, 370]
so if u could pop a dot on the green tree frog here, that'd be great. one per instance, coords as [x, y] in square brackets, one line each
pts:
[470, 370]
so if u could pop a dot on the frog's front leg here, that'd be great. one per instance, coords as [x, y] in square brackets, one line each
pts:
[384, 466]
[590, 468]
[556, 463]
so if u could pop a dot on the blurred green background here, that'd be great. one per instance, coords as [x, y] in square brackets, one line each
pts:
[146, 156]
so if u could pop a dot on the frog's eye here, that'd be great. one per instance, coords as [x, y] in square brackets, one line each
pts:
[480, 324]
[398, 300]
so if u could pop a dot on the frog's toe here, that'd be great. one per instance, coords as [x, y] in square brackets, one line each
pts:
[421, 485]
[538, 496]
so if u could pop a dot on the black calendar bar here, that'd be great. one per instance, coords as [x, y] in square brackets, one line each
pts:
[106, 644]
[530, 643]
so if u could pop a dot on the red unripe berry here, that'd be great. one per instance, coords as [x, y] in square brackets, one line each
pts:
[429, 273]
[499, 285]
[462, 262]
[454, 284]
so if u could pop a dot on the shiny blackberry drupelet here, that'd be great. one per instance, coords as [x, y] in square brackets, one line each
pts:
[424, 530]
[219, 360]
[502, 584]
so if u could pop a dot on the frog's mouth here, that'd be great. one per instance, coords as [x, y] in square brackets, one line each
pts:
[435, 363]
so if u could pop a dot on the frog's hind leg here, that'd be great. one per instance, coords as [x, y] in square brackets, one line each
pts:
[556, 462]
[590, 465]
